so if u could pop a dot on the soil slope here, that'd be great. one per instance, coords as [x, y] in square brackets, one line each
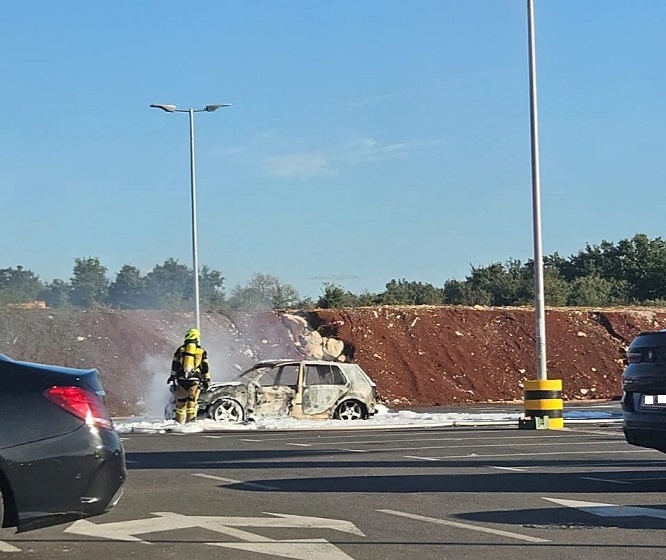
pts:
[418, 356]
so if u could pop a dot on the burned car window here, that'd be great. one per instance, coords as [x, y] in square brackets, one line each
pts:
[288, 375]
[323, 375]
[266, 376]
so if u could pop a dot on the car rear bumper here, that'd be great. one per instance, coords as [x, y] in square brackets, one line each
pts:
[77, 475]
[645, 429]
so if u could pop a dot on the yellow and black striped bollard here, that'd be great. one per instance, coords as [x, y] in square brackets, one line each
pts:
[543, 404]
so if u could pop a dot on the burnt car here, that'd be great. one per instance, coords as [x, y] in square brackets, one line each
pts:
[644, 391]
[60, 457]
[309, 389]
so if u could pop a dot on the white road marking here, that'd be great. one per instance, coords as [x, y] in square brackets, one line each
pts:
[233, 481]
[619, 435]
[647, 478]
[604, 480]
[300, 549]
[522, 455]
[337, 441]
[300, 444]
[518, 469]
[477, 446]
[610, 510]
[6, 547]
[464, 526]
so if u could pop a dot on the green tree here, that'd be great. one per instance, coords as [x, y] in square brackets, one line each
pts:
[591, 291]
[18, 285]
[89, 285]
[211, 291]
[367, 299]
[127, 291]
[507, 284]
[335, 297]
[641, 262]
[263, 292]
[169, 286]
[55, 294]
[402, 292]
[461, 292]
[555, 288]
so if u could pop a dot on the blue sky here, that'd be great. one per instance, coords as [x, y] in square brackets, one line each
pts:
[366, 141]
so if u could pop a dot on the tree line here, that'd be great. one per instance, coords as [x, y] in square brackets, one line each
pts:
[630, 272]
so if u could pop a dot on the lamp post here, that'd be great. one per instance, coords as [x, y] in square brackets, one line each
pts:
[542, 396]
[539, 307]
[193, 185]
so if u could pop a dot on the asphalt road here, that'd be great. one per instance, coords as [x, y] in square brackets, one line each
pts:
[400, 494]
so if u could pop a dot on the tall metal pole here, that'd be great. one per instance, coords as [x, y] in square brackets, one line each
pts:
[539, 306]
[195, 252]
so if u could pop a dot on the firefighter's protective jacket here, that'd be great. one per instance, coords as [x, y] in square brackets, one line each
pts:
[190, 360]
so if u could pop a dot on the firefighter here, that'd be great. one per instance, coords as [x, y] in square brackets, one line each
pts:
[189, 374]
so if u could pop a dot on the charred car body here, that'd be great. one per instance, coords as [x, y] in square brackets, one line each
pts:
[310, 389]
[644, 391]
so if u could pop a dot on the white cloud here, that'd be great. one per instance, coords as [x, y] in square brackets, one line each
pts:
[371, 149]
[298, 165]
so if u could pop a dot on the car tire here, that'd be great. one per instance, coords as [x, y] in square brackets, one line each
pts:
[2, 508]
[226, 410]
[350, 410]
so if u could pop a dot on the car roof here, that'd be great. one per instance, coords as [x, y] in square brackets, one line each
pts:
[279, 361]
[49, 367]
[347, 367]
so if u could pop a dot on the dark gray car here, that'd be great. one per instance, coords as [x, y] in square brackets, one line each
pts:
[644, 391]
[60, 457]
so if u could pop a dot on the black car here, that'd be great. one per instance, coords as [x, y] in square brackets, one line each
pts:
[60, 457]
[644, 391]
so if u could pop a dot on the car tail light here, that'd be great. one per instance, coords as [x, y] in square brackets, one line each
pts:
[81, 403]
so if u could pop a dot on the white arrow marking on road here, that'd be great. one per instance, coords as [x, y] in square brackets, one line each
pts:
[167, 521]
[464, 526]
[610, 510]
[6, 547]
[239, 482]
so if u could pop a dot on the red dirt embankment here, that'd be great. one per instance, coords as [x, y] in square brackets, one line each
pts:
[418, 355]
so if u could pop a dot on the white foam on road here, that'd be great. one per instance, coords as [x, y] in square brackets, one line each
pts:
[383, 419]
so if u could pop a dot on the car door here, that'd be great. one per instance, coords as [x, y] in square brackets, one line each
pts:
[323, 386]
[276, 389]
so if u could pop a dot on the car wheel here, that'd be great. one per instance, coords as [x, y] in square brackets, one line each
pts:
[226, 410]
[2, 508]
[350, 410]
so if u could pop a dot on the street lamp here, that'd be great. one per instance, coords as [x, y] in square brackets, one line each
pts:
[539, 307]
[195, 257]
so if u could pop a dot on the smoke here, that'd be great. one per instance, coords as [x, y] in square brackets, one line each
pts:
[231, 347]
[155, 371]
[224, 366]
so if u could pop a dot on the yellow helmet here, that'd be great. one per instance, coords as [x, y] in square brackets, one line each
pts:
[193, 334]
